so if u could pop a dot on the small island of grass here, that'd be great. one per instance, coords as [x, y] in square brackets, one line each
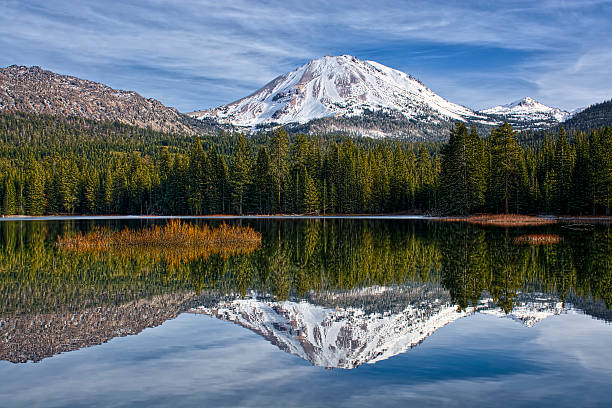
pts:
[174, 241]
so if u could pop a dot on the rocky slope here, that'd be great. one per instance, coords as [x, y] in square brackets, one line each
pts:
[35, 337]
[35, 90]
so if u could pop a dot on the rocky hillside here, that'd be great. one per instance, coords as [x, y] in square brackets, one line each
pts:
[35, 90]
[34, 337]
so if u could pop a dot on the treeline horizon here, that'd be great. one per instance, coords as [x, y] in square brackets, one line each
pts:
[69, 166]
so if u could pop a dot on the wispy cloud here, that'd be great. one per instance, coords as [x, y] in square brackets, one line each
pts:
[196, 54]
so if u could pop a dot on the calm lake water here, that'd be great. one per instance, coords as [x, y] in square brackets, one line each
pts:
[335, 312]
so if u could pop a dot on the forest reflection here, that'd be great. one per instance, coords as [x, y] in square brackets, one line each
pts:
[300, 257]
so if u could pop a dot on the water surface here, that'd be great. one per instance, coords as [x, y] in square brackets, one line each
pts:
[334, 312]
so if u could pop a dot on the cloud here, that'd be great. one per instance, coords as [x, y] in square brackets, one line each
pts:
[196, 54]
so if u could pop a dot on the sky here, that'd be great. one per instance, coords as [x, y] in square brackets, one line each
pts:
[199, 361]
[197, 54]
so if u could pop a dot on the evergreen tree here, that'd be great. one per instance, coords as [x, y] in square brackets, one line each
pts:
[462, 178]
[240, 173]
[505, 166]
[311, 195]
[279, 167]
[34, 189]
[262, 182]
[9, 205]
[198, 172]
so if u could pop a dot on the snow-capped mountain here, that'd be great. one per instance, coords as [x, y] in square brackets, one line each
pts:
[530, 308]
[339, 338]
[339, 86]
[346, 337]
[528, 112]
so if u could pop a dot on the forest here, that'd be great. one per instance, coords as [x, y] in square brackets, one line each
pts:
[52, 165]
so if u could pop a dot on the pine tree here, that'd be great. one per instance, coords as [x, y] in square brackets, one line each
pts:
[197, 176]
[9, 206]
[462, 177]
[505, 164]
[240, 173]
[34, 189]
[262, 181]
[90, 188]
[580, 195]
[311, 194]
[601, 173]
[563, 164]
[279, 167]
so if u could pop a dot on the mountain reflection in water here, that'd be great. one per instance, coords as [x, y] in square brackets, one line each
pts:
[338, 293]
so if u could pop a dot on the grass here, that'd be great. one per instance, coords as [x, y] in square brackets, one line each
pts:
[504, 220]
[538, 239]
[173, 242]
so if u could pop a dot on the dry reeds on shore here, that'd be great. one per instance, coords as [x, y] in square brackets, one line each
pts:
[174, 241]
[504, 220]
[538, 239]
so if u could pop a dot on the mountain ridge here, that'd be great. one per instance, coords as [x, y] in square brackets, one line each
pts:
[348, 95]
[346, 330]
[341, 94]
[527, 113]
[39, 91]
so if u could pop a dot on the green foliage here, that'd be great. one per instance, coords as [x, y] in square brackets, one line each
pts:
[302, 258]
[70, 166]
[462, 180]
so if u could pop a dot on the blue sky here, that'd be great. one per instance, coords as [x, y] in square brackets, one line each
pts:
[199, 54]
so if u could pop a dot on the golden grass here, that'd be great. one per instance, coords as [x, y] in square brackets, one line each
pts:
[538, 239]
[173, 242]
[503, 220]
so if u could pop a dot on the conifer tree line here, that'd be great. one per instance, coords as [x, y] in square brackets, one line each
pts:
[557, 175]
[53, 166]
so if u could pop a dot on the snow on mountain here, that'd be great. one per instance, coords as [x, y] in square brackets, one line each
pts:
[343, 338]
[528, 110]
[528, 309]
[339, 86]
[346, 337]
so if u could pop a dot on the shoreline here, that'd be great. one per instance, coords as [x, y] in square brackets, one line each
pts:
[210, 217]
[489, 219]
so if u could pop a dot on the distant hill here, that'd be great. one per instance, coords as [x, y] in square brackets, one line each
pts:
[593, 117]
[35, 90]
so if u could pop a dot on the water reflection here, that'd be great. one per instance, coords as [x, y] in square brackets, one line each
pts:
[338, 293]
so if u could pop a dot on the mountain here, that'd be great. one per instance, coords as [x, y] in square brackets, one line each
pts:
[527, 113]
[346, 330]
[35, 90]
[339, 92]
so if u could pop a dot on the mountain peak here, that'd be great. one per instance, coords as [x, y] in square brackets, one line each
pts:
[338, 86]
[528, 110]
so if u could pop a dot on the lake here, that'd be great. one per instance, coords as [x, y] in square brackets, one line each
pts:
[321, 312]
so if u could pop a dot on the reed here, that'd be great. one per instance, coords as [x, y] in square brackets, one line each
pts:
[538, 239]
[173, 242]
[504, 220]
